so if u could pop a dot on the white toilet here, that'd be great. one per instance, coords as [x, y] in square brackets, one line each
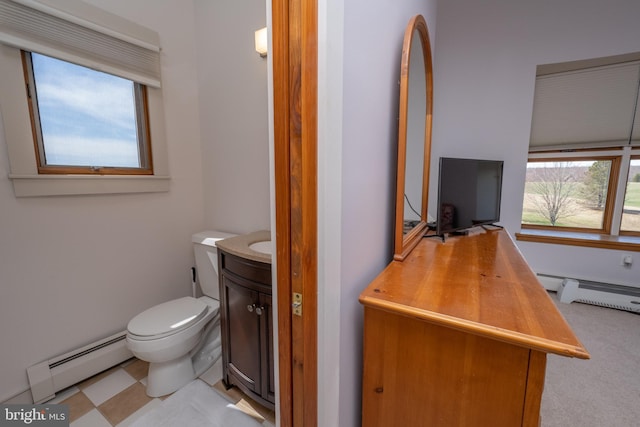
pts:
[181, 338]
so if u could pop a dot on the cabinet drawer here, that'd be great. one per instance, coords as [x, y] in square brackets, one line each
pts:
[248, 269]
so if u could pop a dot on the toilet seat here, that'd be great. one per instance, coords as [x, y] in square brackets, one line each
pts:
[167, 318]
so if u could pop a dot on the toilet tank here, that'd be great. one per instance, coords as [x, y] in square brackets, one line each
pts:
[206, 253]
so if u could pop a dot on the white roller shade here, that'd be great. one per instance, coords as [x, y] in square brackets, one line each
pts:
[587, 108]
[83, 34]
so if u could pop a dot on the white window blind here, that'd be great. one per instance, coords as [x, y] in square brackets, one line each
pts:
[593, 107]
[83, 34]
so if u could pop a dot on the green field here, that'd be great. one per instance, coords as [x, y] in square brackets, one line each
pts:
[633, 195]
[581, 214]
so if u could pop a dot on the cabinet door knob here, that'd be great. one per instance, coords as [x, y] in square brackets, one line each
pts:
[250, 307]
[259, 310]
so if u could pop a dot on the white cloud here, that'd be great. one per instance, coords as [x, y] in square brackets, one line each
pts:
[99, 99]
[91, 152]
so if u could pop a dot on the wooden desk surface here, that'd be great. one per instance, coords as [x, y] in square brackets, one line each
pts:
[479, 284]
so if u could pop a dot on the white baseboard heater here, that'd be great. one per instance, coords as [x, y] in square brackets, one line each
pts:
[602, 294]
[48, 377]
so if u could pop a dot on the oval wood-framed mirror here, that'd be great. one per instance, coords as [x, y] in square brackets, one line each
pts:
[414, 138]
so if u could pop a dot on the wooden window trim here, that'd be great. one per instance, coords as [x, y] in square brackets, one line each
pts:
[587, 151]
[590, 240]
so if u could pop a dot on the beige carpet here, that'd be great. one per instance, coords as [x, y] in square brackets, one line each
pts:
[605, 390]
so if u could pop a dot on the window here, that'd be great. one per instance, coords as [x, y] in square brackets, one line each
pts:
[575, 193]
[86, 121]
[631, 207]
[578, 193]
[568, 194]
[58, 145]
[583, 173]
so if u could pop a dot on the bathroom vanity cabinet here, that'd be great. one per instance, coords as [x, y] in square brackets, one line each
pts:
[247, 326]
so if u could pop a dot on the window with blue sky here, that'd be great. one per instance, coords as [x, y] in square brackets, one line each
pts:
[87, 118]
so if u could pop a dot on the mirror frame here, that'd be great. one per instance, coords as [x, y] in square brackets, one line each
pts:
[404, 243]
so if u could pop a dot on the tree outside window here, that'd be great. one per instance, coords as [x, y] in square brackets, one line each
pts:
[568, 194]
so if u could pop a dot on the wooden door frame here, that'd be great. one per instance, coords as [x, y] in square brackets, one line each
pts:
[294, 34]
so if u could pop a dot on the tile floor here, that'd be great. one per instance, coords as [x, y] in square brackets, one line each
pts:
[116, 397]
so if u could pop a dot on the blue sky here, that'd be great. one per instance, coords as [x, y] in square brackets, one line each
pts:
[87, 117]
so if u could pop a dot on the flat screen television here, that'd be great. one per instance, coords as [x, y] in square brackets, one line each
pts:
[469, 193]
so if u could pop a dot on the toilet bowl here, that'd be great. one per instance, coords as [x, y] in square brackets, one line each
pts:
[181, 338]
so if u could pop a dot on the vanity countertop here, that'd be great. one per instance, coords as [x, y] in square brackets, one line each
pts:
[240, 246]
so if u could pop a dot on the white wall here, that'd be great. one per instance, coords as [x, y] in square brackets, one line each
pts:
[360, 80]
[487, 54]
[232, 85]
[75, 269]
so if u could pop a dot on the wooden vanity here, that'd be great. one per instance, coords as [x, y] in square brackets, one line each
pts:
[246, 317]
[457, 335]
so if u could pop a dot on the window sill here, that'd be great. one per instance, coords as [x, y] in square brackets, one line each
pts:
[602, 241]
[73, 185]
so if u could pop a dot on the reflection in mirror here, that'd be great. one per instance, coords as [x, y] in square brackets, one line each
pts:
[416, 113]
[414, 138]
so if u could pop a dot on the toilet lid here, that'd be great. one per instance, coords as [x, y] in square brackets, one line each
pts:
[168, 317]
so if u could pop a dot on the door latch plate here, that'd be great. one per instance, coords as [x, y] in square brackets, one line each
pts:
[297, 304]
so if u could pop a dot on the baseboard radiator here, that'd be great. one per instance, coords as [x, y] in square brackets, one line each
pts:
[48, 377]
[596, 293]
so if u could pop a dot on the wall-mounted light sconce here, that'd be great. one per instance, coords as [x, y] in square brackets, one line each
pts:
[261, 42]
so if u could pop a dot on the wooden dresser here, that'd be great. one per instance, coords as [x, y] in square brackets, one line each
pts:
[457, 334]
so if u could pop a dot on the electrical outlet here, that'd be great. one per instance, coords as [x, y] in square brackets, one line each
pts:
[627, 260]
